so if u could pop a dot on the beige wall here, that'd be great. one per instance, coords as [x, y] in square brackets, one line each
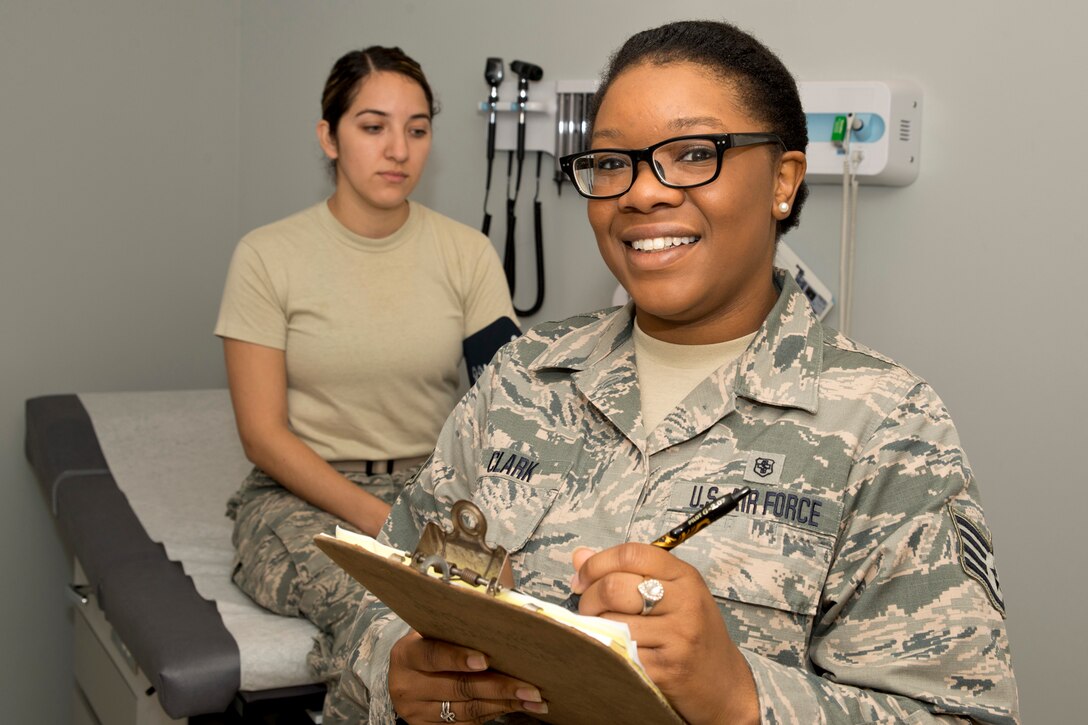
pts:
[138, 140]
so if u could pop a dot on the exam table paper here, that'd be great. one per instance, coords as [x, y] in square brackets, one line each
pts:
[176, 457]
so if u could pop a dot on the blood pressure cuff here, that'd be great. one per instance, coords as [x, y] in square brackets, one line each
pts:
[481, 346]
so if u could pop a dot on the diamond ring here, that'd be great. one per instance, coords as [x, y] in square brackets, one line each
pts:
[652, 592]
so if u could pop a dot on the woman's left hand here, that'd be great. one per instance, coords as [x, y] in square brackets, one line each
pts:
[682, 642]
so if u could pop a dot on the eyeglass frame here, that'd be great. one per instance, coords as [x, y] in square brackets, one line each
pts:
[722, 143]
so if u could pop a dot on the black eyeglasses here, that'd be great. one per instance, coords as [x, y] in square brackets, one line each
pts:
[680, 163]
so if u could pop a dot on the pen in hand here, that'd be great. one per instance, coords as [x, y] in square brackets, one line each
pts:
[695, 523]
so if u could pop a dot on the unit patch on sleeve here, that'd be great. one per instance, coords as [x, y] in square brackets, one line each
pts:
[977, 557]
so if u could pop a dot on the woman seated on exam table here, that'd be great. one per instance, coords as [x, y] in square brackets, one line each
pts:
[883, 608]
[343, 327]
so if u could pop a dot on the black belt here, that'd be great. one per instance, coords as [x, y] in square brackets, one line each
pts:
[371, 468]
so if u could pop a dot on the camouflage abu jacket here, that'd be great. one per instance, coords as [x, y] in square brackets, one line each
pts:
[858, 576]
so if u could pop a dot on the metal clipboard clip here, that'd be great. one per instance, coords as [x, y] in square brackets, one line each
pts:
[463, 553]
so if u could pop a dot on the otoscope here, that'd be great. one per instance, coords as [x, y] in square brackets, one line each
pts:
[493, 75]
[526, 72]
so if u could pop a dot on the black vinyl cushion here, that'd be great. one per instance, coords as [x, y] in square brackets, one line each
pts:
[176, 636]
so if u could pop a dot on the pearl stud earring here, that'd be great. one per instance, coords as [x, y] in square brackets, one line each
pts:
[783, 207]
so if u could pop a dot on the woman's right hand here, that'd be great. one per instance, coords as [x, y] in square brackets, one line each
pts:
[425, 673]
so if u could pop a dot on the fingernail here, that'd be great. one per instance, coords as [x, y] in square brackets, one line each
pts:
[528, 694]
[539, 708]
[574, 584]
[477, 662]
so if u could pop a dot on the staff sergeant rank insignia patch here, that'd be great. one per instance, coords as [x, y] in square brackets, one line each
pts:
[977, 557]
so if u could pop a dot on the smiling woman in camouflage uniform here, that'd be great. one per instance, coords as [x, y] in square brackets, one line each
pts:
[856, 581]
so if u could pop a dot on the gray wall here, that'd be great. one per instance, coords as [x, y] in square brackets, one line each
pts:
[119, 180]
[138, 140]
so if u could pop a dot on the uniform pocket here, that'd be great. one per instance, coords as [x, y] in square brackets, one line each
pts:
[514, 510]
[766, 578]
[264, 567]
[515, 488]
[760, 562]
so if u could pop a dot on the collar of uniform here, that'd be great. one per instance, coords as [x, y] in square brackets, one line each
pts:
[600, 355]
[588, 344]
[782, 365]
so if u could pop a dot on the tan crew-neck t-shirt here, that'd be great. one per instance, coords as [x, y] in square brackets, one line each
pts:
[371, 328]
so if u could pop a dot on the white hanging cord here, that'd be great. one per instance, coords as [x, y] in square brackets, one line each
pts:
[851, 161]
[851, 219]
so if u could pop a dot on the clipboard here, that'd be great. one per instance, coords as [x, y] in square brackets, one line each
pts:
[450, 589]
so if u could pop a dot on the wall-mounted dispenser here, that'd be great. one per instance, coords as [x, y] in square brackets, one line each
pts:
[885, 127]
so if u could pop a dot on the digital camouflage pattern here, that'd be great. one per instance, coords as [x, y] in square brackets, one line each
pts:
[842, 577]
[278, 565]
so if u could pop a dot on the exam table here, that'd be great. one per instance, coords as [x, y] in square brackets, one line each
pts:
[138, 483]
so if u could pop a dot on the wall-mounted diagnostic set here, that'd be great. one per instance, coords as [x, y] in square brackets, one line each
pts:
[513, 135]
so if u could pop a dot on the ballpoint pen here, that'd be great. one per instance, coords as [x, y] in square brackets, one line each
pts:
[695, 523]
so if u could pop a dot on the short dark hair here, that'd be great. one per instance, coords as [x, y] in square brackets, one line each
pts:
[762, 82]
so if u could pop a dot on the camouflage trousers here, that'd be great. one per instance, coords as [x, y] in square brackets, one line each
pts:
[278, 566]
